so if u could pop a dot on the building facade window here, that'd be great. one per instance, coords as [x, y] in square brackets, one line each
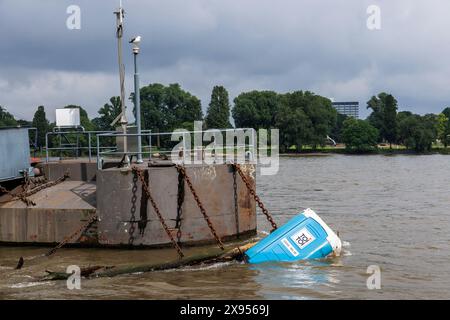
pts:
[350, 109]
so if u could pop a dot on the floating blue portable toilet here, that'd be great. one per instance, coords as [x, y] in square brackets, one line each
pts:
[306, 236]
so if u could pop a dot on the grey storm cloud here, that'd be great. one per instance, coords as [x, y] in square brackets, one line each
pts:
[318, 45]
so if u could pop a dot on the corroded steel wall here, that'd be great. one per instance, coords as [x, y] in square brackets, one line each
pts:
[59, 211]
[62, 209]
[214, 186]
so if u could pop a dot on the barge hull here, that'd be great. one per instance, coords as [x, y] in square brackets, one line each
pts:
[62, 209]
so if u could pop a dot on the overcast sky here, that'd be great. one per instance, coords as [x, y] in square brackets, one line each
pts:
[283, 45]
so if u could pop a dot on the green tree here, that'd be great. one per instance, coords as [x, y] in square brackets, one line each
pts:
[416, 132]
[445, 135]
[336, 131]
[359, 135]
[441, 126]
[6, 118]
[302, 117]
[218, 113]
[256, 109]
[446, 111]
[165, 108]
[295, 127]
[108, 113]
[322, 116]
[384, 116]
[42, 125]
[312, 120]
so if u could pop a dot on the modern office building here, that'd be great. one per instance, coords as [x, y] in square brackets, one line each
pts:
[350, 109]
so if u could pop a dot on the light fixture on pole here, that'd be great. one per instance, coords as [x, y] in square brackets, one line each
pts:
[137, 97]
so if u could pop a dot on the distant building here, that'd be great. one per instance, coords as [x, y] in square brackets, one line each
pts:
[350, 109]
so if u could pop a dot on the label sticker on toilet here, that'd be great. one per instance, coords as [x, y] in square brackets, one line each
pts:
[302, 238]
[289, 246]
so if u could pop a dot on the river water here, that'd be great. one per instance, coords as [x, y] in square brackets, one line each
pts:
[391, 211]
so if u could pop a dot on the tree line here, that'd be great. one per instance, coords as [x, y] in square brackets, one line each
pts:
[386, 124]
[304, 118]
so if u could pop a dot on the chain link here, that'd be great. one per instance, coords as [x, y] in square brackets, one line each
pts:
[182, 170]
[133, 210]
[146, 188]
[236, 206]
[255, 196]
[180, 200]
[23, 196]
[69, 238]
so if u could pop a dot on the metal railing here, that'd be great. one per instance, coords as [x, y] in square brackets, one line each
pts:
[113, 151]
[71, 146]
[240, 139]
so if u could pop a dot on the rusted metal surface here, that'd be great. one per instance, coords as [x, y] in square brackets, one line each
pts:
[213, 184]
[78, 170]
[63, 208]
[142, 175]
[252, 191]
[59, 210]
[182, 170]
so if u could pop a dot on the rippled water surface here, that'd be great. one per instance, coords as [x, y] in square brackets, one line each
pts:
[391, 211]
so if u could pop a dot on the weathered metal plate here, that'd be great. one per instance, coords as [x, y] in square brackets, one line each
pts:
[214, 186]
[60, 210]
[78, 170]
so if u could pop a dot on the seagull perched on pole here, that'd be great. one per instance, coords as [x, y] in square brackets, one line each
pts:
[136, 40]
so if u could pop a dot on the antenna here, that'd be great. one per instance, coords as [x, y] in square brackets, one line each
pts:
[123, 116]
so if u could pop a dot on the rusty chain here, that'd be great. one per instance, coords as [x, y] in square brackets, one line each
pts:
[133, 210]
[23, 196]
[15, 197]
[182, 170]
[46, 185]
[255, 196]
[236, 206]
[146, 188]
[180, 200]
[69, 238]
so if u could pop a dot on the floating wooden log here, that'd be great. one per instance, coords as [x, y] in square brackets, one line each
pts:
[111, 271]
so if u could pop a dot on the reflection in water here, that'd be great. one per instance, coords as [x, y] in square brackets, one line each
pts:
[296, 280]
[392, 210]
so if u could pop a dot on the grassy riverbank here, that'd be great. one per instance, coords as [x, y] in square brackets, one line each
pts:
[382, 149]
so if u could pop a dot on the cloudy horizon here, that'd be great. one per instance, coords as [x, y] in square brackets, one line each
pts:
[319, 45]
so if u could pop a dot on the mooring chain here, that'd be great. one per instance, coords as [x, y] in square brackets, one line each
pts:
[255, 196]
[236, 206]
[69, 238]
[46, 185]
[182, 170]
[23, 196]
[133, 210]
[180, 200]
[18, 196]
[146, 188]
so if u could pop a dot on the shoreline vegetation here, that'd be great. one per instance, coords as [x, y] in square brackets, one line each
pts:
[380, 151]
[306, 121]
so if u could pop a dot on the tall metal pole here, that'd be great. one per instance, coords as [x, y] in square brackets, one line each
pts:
[137, 104]
[123, 119]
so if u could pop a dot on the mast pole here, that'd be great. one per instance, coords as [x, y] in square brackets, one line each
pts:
[123, 119]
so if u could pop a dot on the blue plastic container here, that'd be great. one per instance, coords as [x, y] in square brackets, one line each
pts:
[306, 236]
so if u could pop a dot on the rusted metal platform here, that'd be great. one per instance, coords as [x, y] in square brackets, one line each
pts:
[59, 210]
[125, 214]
